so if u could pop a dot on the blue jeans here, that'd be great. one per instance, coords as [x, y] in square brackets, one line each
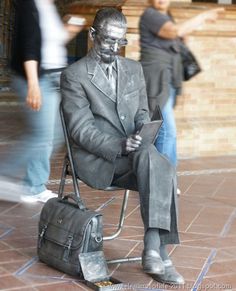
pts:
[42, 132]
[166, 140]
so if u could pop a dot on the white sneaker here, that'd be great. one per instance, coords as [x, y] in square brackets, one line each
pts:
[178, 191]
[41, 197]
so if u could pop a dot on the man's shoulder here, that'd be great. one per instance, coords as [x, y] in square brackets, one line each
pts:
[76, 68]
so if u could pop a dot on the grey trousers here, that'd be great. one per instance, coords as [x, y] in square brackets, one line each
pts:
[152, 175]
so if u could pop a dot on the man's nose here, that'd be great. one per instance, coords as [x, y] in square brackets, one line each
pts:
[115, 47]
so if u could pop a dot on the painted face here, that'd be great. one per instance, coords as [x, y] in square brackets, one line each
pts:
[161, 5]
[108, 41]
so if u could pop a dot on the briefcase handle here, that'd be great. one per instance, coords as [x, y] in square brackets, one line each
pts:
[78, 201]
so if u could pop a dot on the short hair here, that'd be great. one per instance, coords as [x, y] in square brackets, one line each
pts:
[107, 15]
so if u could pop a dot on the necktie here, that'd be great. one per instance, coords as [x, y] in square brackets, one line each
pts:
[111, 77]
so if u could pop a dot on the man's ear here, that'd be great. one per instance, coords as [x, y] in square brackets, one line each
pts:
[92, 33]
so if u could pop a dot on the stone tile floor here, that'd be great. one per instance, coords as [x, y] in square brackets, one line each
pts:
[207, 221]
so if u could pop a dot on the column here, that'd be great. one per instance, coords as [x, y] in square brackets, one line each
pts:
[6, 21]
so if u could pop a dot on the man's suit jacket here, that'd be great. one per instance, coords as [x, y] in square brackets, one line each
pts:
[98, 120]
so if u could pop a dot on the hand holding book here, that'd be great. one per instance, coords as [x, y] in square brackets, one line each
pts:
[149, 131]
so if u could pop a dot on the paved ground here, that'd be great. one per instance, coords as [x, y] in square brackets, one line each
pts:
[207, 223]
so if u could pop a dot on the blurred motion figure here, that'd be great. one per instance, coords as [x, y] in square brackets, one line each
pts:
[161, 61]
[38, 56]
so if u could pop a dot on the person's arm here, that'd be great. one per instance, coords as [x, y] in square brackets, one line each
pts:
[142, 114]
[30, 42]
[171, 30]
[73, 24]
[134, 141]
[33, 98]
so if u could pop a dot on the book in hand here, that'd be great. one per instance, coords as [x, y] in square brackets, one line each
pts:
[76, 20]
[149, 131]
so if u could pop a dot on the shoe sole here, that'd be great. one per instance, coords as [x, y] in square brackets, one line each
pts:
[160, 280]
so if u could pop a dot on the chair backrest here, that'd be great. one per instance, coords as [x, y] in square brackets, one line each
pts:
[69, 155]
[65, 130]
[66, 134]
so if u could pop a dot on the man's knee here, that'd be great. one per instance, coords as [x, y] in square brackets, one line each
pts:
[146, 150]
[148, 155]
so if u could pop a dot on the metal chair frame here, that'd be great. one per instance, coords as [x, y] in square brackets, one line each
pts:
[69, 170]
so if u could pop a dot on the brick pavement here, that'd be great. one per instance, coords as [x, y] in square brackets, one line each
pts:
[207, 221]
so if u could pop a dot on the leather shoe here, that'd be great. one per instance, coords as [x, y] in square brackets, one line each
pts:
[170, 276]
[152, 262]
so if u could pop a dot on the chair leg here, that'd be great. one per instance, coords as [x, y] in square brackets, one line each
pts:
[75, 184]
[117, 232]
[122, 218]
[124, 260]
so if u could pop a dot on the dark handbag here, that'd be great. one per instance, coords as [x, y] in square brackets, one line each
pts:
[190, 65]
[65, 230]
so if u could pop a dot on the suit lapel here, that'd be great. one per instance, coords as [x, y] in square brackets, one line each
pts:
[99, 79]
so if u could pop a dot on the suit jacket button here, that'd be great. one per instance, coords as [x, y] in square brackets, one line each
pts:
[122, 117]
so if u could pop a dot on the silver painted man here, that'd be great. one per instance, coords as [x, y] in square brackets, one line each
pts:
[105, 104]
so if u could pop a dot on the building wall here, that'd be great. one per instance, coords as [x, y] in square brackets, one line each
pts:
[6, 18]
[61, 5]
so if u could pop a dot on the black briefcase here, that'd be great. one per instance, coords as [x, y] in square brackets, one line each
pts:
[67, 229]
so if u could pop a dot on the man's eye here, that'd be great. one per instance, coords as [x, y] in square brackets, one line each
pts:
[110, 41]
[118, 41]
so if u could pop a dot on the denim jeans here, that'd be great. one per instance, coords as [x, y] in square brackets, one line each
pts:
[166, 140]
[42, 132]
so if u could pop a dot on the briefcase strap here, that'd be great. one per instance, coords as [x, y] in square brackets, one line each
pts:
[78, 201]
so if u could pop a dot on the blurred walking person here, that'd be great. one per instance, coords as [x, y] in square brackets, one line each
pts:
[161, 61]
[38, 56]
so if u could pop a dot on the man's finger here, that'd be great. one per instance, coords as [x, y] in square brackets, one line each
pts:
[132, 143]
[135, 142]
[130, 149]
[137, 137]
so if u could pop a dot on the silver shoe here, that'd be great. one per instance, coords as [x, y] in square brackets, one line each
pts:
[170, 277]
[152, 262]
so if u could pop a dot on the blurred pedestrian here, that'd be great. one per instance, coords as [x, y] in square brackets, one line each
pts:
[161, 61]
[38, 57]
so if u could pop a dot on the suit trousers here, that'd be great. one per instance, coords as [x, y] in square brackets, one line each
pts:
[152, 175]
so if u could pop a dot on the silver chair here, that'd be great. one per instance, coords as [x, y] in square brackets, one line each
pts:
[69, 170]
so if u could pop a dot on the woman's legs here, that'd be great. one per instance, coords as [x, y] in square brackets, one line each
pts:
[166, 141]
[31, 157]
[42, 136]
